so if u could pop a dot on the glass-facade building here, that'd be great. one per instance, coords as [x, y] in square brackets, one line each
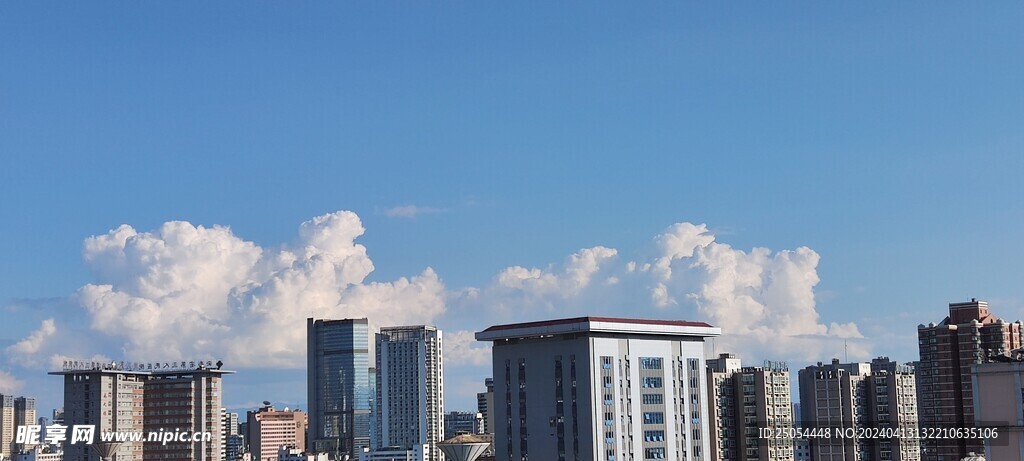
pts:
[340, 391]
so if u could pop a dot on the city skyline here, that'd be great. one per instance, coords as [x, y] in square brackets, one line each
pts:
[194, 181]
[71, 363]
[851, 395]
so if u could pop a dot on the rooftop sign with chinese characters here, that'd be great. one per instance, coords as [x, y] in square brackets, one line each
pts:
[142, 367]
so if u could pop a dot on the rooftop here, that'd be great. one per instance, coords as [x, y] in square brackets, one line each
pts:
[598, 325]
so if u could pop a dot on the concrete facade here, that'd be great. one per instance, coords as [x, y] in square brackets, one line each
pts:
[999, 401]
[744, 400]
[113, 398]
[595, 388]
[269, 430]
[410, 388]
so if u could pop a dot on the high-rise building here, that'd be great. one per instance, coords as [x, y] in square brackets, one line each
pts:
[834, 396]
[855, 397]
[999, 404]
[968, 336]
[597, 388]
[456, 422]
[270, 429]
[892, 393]
[180, 398]
[374, 418]
[410, 388]
[7, 429]
[185, 401]
[228, 428]
[234, 447]
[744, 400]
[339, 385]
[484, 403]
[14, 412]
[24, 415]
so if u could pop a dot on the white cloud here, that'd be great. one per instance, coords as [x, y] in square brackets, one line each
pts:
[579, 269]
[461, 348]
[410, 211]
[191, 291]
[34, 341]
[764, 301]
[8, 384]
[679, 241]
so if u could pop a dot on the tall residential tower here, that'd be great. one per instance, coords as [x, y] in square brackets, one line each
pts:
[410, 388]
[14, 412]
[968, 336]
[743, 400]
[856, 397]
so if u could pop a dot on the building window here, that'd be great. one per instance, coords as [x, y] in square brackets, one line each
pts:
[654, 417]
[652, 382]
[653, 399]
[654, 453]
[650, 363]
[654, 436]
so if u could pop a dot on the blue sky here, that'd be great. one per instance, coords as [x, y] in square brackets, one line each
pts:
[885, 137]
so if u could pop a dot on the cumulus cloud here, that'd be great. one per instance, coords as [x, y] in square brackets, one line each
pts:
[8, 384]
[679, 241]
[34, 342]
[763, 300]
[461, 348]
[410, 211]
[185, 291]
[191, 291]
[579, 268]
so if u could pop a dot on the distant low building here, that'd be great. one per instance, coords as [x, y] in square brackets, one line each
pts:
[801, 449]
[40, 454]
[286, 453]
[456, 422]
[416, 453]
[270, 429]
[484, 405]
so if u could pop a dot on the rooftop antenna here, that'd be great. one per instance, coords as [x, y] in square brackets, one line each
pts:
[846, 351]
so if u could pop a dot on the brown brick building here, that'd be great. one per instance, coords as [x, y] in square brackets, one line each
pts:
[969, 335]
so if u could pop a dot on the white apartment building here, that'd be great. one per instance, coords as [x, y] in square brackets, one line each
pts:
[601, 389]
[410, 389]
